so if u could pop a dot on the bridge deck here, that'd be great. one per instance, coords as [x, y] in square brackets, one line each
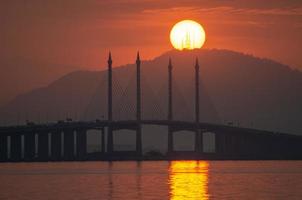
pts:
[124, 124]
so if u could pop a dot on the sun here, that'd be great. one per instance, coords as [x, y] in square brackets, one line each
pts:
[187, 34]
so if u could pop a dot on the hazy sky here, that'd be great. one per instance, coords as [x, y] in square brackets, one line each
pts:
[40, 40]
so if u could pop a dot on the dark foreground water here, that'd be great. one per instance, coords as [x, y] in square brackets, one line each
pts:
[152, 180]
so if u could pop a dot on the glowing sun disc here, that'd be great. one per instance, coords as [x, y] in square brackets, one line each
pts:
[187, 34]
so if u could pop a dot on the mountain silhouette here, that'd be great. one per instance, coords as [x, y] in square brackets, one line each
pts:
[238, 88]
[20, 75]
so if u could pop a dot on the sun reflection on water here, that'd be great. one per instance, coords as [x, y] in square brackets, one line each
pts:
[188, 180]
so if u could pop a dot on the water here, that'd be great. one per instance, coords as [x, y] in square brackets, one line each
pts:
[152, 180]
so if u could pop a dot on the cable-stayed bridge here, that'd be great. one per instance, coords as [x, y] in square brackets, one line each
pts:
[68, 140]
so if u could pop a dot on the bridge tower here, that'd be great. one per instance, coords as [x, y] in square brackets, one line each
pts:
[198, 134]
[170, 107]
[138, 106]
[109, 88]
[109, 132]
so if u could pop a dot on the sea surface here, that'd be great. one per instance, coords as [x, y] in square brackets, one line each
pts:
[152, 180]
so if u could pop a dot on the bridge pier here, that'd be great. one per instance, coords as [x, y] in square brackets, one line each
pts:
[29, 146]
[264, 146]
[56, 145]
[68, 144]
[234, 145]
[268, 146]
[103, 140]
[242, 145]
[170, 140]
[257, 146]
[81, 144]
[139, 140]
[230, 144]
[198, 141]
[248, 146]
[222, 145]
[15, 147]
[226, 145]
[43, 146]
[109, 140]
[218, 144]
[3, 147]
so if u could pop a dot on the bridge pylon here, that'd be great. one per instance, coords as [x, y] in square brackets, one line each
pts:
[109, 129]
[138, 106]
[170, 107]
[198, 133]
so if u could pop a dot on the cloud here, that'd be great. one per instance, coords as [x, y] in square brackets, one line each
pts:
[275, 11]
[228, 10]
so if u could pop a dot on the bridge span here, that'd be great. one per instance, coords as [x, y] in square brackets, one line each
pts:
[68, 140]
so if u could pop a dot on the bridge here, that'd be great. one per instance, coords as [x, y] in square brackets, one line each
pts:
[67, 140]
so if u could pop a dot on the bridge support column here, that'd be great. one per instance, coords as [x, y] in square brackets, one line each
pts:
[254, 146]
[231, 145]
[15, 147]
[56, 145]
[43, 146]
[3, 147]
[109, 140]
[234, 141]
[81, 144]
[266, 147]
[228, 145]
[139, 140]
[68, 144]
[103, 140]
[244, 146]
[260, 148]
[239, 147]
[249, 146]
[29, 146]
[198, 141]
[201, 141]
[220, 144]
[170, 140]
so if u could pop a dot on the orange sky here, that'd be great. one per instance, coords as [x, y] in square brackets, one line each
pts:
[66, 35]
[79, 32]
